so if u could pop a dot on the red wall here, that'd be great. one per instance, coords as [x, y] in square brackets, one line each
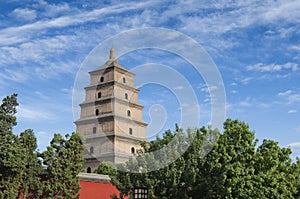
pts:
[97, 190]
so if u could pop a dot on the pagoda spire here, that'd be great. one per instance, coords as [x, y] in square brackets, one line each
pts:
[112, 54]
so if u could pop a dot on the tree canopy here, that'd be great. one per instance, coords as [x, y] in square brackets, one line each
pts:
[21, 165]
[63, 160]
[215, 165]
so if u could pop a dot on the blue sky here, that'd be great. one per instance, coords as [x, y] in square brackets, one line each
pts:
[254, 44]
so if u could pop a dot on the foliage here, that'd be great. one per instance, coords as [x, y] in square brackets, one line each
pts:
[232, 167]
[21, 172]
[11, 154]
[31, 174]
[7, 114]
[106, 168]
[63, 159]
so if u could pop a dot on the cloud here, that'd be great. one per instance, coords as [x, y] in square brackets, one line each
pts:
[295, 47]
[284, 10]
[272, 67]
[15, 35]
[42, 133]
[40, 58]
[24, 14]
[37, 50]
[46, 71]
[33, 113]
[41, 95]
[246, 80]
[14, 75]
[208, 88]
[286, 93]
[294, 145]
[52, 10]
[178, 88]
[246, 103]
[290, 96]
[242, 106]
[292, 111]
[231, 17]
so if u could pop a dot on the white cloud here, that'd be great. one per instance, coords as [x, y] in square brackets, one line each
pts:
[241, 14]
[290, 96]
[32, 47]
[294, 98]
[38, 50]
[284, 10]
[41, 95]
[33, 113]
[208, 88]
[246, 80]
[178, 88]
[24, 14]
[55, 9]
[294, 145]
[67, 91]
[292, 111]
[206, 100]
[295, 47]
[14, 35]
[272, 67]
[285, 93]
[246, 103]
[14, 75]
[282, 76]
[42, 133]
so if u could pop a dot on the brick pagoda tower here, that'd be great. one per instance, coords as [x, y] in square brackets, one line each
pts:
[111, 117]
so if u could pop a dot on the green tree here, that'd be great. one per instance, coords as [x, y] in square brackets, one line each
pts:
[275, 175]
[63, 159]
[176, 180]
[21, 169]
[7, 113]
[106, 168]
[228, 168]
[236, 168]
[11, 152]
[31, 174]
[296, 170]
[232, 167]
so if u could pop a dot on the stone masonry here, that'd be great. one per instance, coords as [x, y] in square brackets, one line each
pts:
[111, 117]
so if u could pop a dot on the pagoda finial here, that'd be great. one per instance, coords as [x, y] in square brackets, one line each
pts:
[112, 54]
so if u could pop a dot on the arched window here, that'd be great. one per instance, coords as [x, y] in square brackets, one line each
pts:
[91, 149]
[126, 96]
[89, 170]
[128, 113]
[132, 150]
[97, 111]
[99, 95]
[101, 79]
[124, 80]
[94, 130]
[130, 131]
